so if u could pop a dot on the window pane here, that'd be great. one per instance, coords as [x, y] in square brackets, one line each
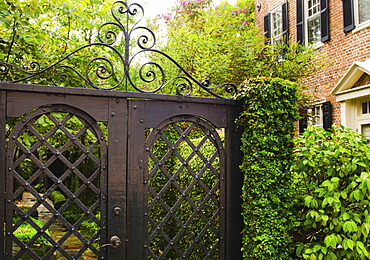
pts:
[363, 10]
[313, 21]
[316, 118]
[314, 33]
[365, 130]
[364, 108]
[277, 24]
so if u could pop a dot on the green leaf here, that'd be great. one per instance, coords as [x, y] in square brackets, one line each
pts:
[350, 226]
[331, 241]
[356, 195]
[332, 256]
[360, 248]
[348, 244]
[325, 218]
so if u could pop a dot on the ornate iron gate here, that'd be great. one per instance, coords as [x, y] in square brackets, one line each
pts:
[153, 178]
[93, 174]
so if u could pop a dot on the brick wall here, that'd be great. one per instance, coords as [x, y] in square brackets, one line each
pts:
[342, 49]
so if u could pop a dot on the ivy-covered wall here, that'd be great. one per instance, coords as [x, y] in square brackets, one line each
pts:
[268, 119]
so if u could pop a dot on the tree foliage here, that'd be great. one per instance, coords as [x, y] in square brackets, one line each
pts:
[36, 34]
[222, 44]
[45, 30]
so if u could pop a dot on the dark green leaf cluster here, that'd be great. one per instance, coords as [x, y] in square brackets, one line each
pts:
[333, 182]
[268, 119]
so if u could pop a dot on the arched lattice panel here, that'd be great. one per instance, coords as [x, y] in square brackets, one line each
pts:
[185, 183]
[56, 185]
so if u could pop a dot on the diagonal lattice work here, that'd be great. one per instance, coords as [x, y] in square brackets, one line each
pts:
[56, 157]
[185, 178]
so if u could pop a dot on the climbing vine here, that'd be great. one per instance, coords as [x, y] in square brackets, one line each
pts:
[268, 119]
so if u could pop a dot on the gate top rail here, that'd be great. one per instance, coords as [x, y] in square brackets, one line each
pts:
[114, 69]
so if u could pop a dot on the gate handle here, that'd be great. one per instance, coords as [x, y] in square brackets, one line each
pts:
[115, 241]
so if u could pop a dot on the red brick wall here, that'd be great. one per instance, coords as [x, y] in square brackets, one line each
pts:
[342, 49]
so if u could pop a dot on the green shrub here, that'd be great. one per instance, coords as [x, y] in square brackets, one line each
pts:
[268, 119]
[333, 180]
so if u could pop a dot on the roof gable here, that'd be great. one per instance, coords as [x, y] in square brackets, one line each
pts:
[351, 77]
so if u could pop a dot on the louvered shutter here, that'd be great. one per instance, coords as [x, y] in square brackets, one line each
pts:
[285, 22]
[326, 109]
[348, 15]
[300, 22]
[324, 16]
[302, 125]
[267, 27]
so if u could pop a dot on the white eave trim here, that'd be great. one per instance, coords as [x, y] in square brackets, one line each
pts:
[353, 93]
[345, 84]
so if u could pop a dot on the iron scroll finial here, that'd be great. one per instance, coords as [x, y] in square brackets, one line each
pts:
[116, 62]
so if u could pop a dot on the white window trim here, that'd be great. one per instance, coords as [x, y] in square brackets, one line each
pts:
[317, 103]
[306, 30]
[361, 119]
[358, 26]
[272, 10]
[361, 26]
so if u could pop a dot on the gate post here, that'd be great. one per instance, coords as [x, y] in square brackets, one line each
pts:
[234, 220]
[2, 170]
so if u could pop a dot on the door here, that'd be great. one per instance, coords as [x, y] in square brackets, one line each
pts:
[176, 199]
[63, 199]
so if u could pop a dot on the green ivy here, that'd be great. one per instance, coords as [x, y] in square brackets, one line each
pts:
[268, 119]
[333, 180]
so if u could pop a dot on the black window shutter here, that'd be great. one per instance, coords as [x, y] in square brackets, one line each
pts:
[300, 24]
[267, 27]
[348, 15]
[326, 108]
[285, 22]
[324, 15]
[302, 125]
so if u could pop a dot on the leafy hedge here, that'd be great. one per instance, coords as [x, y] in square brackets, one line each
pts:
[268, 119]
[333, 173]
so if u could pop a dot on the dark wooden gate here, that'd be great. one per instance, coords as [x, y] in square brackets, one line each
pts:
[146, 176]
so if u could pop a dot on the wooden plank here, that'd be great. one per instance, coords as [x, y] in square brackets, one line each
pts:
[162, 110]
[2, 170]
[112, 93]
[21, 102]
[117, 150]
[137, 191]
[234, 183]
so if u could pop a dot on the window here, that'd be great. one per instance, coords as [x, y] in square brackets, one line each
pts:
[362, 117]
[276, 24]
[313, 31]
[312, 21]
[363, 13]
[365, 108]
[316, 116]
[356, 13]
[319, 115]
[365, 130]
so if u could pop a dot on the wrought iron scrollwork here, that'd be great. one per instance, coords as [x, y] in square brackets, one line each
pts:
[112, 68]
